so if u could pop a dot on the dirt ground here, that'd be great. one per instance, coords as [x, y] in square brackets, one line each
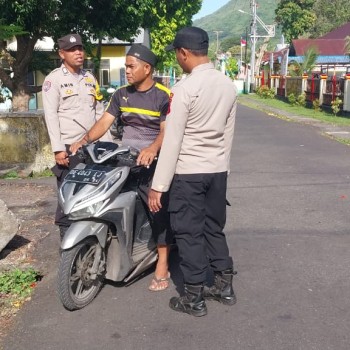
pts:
[33, 202]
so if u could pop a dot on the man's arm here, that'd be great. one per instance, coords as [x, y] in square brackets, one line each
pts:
[171, 147]
[51, 98]
[98, 130]
[228, 133]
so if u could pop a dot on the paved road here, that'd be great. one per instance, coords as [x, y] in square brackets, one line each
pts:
[288, 230]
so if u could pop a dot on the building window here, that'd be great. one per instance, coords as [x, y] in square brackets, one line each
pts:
[105, 73]
[104, 77]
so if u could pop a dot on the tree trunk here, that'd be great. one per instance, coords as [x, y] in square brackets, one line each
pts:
[20, 100]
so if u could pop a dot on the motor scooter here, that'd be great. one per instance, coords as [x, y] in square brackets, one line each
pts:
[110, 237]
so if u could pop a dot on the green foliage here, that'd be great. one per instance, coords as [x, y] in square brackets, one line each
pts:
[265, 92]
[234, 24]
[297, 100]
[330, 15]
[292, 99]
[45, 173]
[18, 283]
[13, 174]
[295, 17]
[90, 18]
[168, 18]
[336, 105]
[301, 100]
[231, 67]
[308, 64]
[8, 32]
[316, 105]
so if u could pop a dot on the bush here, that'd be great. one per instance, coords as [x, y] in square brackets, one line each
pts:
[292, 99]
[301, 100]
[17, 282]
[13, 174]
[316, 105]
[297, 101]
[265, 92]
[336, 105]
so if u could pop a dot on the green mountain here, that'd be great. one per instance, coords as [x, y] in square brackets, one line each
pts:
[233, 24]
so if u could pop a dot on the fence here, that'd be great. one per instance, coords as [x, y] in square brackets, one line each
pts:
[323, 88]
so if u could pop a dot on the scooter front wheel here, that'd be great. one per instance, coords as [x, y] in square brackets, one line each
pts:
[81, 273]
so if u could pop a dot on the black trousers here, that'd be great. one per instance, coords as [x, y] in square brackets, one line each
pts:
[197, 207]
[60, 172]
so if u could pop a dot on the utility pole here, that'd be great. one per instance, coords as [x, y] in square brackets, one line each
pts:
[217, 40]
[253, 48]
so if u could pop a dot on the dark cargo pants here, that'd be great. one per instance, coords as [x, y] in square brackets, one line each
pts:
[197, 206]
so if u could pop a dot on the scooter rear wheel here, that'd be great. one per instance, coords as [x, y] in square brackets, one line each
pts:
[78, 284]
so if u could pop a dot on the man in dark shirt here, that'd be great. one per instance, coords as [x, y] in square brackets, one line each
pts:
[141, 107]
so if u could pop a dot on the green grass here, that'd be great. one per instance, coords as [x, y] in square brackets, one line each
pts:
[254, 101]
[13, 174]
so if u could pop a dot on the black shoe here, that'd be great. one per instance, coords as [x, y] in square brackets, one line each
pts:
[191, 303]
[222, 290]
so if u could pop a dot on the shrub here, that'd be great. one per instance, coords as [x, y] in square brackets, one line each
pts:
[265, 92]
[17, 282]
[292, 99]
[13, 174]
[301, 100]
[316, 105]
[336, 105]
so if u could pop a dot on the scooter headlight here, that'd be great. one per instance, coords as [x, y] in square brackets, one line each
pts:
[91, 204]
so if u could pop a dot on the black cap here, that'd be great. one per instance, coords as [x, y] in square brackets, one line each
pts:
[68, 41]
[192, 38]
[143, 53]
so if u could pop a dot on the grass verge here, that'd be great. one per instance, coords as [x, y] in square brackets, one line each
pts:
[323, 116]
[14, 174]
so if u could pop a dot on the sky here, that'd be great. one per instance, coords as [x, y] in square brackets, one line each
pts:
[209, 6]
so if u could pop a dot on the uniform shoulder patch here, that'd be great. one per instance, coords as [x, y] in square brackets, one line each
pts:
[46, 85]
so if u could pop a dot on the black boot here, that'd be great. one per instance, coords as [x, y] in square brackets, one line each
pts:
[222, 290]
[192, 302]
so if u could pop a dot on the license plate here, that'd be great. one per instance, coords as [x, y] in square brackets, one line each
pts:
[92, 177]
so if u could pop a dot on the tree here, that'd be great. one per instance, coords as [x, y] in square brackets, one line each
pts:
[93, 19]
[330, 15]
[166, 19]
[231, 67]
[295, 17]
[306, 66]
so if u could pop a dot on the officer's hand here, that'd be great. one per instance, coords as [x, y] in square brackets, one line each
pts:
[75, 146]
[146, 156]
[154, 201]
[62, 158]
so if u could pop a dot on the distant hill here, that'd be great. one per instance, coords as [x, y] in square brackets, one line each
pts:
[233, 23]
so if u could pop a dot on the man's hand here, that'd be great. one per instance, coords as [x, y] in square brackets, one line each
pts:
[76, 145]
[154, 201]
[146, 156]
[61, 158]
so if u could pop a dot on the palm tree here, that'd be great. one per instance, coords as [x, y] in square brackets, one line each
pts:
[297, 69]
